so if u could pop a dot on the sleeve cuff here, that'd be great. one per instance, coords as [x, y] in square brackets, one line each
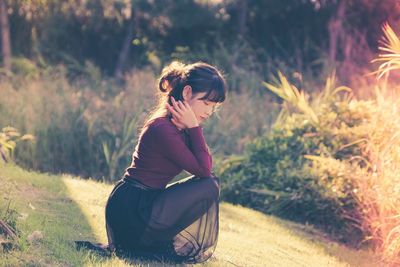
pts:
[194, 128]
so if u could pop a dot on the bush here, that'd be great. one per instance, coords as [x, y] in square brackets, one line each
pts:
[9, 137]
[24, 67]
[302, 170]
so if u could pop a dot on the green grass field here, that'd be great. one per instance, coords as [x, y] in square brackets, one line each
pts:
[65, 208]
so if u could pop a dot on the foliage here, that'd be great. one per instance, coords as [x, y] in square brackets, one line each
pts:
[330, 161]
[71, 127]
[83, 115]
[238, 36]
[24, 67]
[280, 174]
[390, 56]
[9, 137]
[378, 195]
[122, 145]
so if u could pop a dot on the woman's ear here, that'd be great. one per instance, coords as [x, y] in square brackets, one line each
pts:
[187, 92]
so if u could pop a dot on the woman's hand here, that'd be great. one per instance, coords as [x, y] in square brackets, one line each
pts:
[182, 114]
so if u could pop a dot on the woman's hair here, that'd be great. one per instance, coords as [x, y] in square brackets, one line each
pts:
[201, 77]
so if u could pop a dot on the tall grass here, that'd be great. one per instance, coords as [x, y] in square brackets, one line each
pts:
[90, 127]
[379, 188]
[379, 185]
[72, 120]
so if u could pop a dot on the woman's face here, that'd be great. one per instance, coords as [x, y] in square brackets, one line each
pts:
[201, 108]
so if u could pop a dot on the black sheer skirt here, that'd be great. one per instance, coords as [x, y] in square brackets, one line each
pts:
[179, 223]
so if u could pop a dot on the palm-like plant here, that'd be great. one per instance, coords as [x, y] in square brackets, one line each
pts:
[9, 136]
[122, 145]
[390, 46]
[299, 99]
[289, 93]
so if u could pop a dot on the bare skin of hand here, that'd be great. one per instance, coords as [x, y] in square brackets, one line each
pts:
[182, 114]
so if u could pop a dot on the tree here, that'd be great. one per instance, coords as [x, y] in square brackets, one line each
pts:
[124, 53]
[5, 36]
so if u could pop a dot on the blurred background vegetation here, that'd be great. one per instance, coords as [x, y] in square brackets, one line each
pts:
[78, 78]
[248, 39]
[74, 71]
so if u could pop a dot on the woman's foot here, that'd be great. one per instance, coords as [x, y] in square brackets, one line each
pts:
[100, 249]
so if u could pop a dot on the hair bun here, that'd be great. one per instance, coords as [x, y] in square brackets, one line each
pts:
[171, 75]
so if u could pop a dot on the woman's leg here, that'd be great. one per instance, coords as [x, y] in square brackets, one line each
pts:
[123, 221]
[179, 205]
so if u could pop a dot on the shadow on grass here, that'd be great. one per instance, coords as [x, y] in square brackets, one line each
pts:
[44, 206]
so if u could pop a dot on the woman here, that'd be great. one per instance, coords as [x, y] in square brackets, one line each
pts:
[146, 216]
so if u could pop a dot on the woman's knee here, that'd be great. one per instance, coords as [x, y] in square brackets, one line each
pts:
[212, 184]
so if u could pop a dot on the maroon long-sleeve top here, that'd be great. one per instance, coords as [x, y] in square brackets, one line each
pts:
[163, 151]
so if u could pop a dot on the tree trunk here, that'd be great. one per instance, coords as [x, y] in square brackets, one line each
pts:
[336, 30]
[5, 36]
[242, 17]
[124, 53]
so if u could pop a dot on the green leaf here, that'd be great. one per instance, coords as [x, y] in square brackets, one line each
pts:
[106, 152]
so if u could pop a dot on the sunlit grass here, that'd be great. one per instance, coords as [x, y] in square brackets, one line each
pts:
[68, 208]
[379, 190]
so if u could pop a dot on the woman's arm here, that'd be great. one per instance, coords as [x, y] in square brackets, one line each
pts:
[196, 161]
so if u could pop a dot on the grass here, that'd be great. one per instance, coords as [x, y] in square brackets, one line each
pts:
[65, 208]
